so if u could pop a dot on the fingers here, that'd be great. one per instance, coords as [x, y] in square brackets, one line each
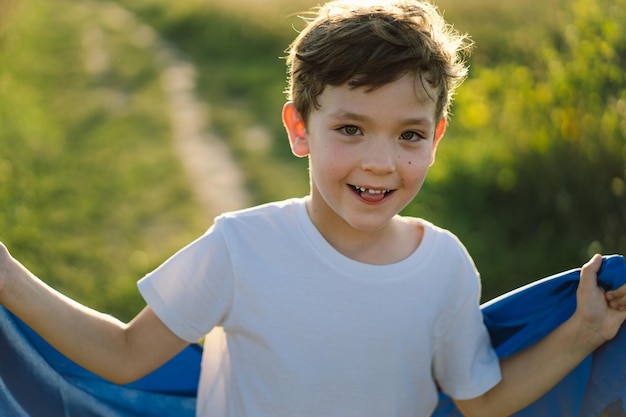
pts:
[602, 312]
[617, 298]
[594, 263]
[589, 273]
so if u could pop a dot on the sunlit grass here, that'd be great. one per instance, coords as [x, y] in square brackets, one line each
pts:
[92, 196]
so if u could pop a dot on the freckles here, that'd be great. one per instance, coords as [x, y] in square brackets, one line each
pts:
[399, 158]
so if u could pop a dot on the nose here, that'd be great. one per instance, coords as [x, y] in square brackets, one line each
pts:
[379, 157]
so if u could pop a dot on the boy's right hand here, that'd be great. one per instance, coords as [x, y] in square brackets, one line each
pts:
[5, 261]
[9, 268]
[98, 342]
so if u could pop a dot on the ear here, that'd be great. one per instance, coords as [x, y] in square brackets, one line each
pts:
[296, 130]
[439, 131]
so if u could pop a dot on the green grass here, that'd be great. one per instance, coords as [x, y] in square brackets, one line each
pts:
[242, 78]
[92, 195]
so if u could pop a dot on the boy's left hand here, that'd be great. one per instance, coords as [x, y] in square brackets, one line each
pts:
[602, 313]
[617, 298]
[525, 378]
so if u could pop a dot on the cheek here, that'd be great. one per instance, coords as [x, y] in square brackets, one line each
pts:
[336, 156]
[418, 161]
[328, 162]
[414, 169]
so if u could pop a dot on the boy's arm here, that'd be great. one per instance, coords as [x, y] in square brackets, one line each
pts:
[116, 351]
[529, 374]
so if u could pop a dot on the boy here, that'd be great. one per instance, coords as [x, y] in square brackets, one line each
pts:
[333, 304]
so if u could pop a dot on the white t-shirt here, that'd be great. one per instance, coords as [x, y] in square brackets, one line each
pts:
[297, 329]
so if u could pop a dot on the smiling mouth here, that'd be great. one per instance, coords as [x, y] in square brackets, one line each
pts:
[369, 190]
[371, 194]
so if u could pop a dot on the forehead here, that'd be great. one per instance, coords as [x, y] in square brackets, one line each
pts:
[409, 96]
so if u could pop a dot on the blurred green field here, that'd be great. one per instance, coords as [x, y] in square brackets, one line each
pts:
[91, 195]
[530, 175]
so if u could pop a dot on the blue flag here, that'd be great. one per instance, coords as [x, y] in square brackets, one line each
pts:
[36, 380]
[516, 320]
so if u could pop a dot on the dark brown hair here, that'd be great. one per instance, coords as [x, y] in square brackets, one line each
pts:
[372, 44]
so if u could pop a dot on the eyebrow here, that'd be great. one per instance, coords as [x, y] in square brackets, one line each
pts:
[345, 114]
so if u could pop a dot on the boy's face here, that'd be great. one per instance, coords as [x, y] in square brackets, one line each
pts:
[369, 152]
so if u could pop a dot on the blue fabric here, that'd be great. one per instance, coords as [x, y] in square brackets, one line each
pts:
[36, 380]
[597, 387]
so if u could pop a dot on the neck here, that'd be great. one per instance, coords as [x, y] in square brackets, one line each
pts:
[397, 240]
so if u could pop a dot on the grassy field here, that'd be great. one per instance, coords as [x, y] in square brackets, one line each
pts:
[92, 195]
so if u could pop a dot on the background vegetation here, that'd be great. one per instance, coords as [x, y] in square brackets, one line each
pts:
[531, 174]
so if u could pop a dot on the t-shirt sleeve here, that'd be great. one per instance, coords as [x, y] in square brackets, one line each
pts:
[465, 364]
[192, 291]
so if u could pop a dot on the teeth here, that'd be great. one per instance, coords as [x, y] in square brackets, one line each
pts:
[370, 191]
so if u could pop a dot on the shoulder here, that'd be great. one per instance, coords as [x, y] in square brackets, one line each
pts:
[267, 210]
[447, 257]
[441, 239]
[274, 213]
[260, 221]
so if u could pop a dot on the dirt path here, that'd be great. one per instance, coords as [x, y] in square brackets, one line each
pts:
[215, 178]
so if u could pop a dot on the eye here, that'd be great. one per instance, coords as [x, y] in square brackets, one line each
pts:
[412, 136]
[350, 130]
